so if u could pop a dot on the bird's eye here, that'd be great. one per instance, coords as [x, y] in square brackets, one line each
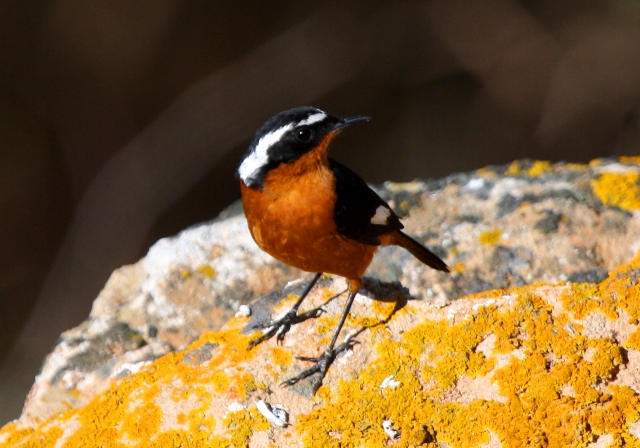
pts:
[304, 134]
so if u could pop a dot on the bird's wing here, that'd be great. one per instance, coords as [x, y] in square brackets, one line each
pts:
[360, 213]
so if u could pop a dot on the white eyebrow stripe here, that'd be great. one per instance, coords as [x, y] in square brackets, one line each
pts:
[258, 157]
[381, 216]
[312, 119]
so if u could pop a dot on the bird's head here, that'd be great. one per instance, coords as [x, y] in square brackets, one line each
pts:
[286, 137]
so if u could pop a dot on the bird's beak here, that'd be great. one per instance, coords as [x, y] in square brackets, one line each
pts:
[344, 122]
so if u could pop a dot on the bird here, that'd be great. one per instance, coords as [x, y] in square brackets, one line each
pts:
[315, 214]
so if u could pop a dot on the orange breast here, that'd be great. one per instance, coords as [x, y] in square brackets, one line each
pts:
[291, 218]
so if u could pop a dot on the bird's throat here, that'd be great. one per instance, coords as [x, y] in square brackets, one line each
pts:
[309, 171]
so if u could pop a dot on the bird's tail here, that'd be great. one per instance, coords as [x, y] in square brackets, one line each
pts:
[423, 254]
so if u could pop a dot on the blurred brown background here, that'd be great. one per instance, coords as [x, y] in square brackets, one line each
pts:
[122, 122]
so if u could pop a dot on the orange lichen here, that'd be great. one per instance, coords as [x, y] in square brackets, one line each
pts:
[618, 190]
[143, 424]
[458, 267]
[630, 160]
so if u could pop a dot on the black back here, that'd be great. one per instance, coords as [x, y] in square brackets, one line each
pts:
[355, 206]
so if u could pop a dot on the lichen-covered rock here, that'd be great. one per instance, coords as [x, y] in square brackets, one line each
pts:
[184, 286]
[541, 365]
[470, 360]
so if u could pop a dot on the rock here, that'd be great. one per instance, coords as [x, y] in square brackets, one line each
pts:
[185, 286]
[545, 362]
[541, 364]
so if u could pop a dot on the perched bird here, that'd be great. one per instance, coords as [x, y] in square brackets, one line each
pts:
[315, 214]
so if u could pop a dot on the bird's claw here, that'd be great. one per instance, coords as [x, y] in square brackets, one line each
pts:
[321, 365]
[281, 327]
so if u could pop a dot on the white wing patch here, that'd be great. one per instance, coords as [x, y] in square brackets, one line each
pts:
[313, 119]
[258, 157]
[381, 216]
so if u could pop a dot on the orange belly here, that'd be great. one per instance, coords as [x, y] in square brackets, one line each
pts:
[292, 220]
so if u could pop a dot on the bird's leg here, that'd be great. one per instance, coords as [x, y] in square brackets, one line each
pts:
[323, 362]
[281, 326]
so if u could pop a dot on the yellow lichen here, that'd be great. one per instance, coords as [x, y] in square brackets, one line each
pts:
[220, 381]
[325, 324]
[129, 411]
[206, 271]
[546, 357]
[281, 357]
[244, 384]
[514, 169]
[381, 308]
[553, 383]
[539, 167]
[536, 169]
[534, 412]
[615, 292]
[633, 341]
[242, 424]
[490, 237]
[575, 166]
[485, 172]
[595, 163]
[618, 190]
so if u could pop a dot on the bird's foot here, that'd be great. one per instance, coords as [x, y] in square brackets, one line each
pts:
[280, 327]
[321, 365]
